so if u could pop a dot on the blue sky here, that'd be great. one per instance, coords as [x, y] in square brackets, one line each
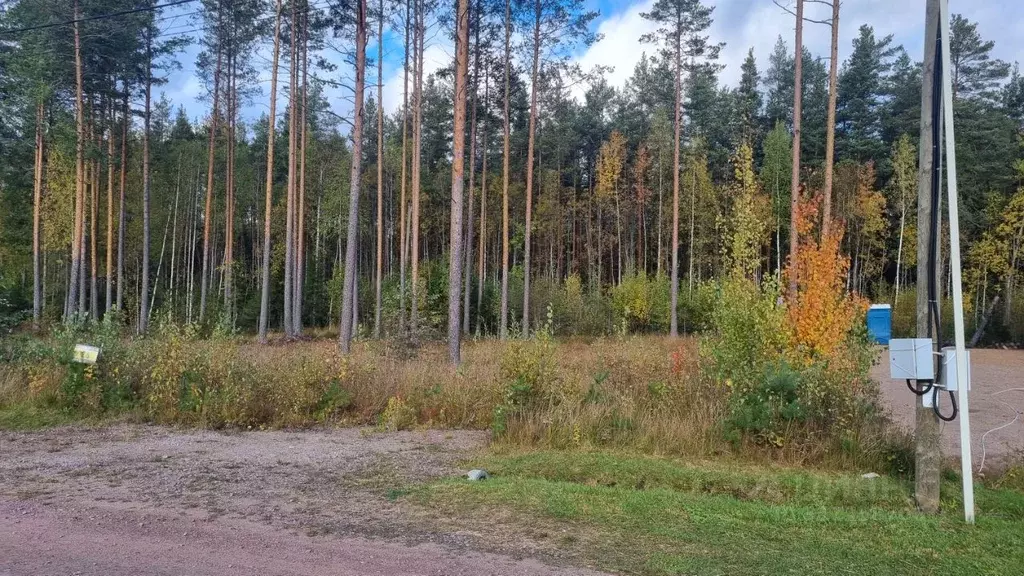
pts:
[741, 24]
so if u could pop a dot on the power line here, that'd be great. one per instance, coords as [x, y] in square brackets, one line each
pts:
[98, 17]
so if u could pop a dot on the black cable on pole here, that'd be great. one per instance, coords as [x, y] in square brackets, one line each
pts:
[933, 236]
[98, 17]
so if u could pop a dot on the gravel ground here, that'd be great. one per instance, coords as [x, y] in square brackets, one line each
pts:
[996, 399]
[139, 500]
[146, 500]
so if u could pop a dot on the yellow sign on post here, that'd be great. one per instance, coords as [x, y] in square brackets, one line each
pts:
[85, 354]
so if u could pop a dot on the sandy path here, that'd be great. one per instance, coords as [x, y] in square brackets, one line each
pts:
[992, 371]
[134, 500]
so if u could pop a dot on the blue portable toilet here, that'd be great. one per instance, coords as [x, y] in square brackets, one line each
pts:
[880, 323]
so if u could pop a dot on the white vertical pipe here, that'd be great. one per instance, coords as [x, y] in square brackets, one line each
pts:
[966, 467]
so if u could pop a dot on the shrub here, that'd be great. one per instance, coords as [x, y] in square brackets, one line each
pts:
[797, 375]
[642, 303]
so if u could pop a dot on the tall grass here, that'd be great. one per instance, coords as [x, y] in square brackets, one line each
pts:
[645, 394]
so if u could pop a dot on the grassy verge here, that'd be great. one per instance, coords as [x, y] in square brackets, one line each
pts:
[656, 516]
[25, 416]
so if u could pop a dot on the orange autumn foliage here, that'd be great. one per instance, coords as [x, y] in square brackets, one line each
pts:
[824, 313]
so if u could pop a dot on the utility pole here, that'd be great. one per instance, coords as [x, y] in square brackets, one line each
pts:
[927, 454]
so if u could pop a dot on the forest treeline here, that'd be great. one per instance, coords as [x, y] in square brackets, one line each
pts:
[492, 200]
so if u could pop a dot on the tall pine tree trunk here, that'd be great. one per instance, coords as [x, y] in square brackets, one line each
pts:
[146, 184]
[208, 212]
[378, 284]
[458, 170]
[108, 304]
[289, 243]
[403, 253]
[79, 208]
[830, 127]
[482, 256]
[269, 185]
[229, 189]
[503, 330]
[300, 233]
[693, 222]
[794, 185]
[37, 197]
[348, 298]
[417, 143]
[122, 187]
[468, 248]
[674, 248]
[94, 212]
[529, 165]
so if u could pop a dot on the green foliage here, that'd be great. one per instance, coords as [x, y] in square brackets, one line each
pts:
[779, 396]
[747, 333]
[771, 405]
[642, 303]
[529, 378]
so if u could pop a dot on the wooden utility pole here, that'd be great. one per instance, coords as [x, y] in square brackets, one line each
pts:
[927, 453]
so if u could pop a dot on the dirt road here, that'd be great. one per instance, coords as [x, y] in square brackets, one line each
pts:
[135, 500]
[997, 397]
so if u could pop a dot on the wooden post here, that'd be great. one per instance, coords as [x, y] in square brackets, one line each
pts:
[927, 453]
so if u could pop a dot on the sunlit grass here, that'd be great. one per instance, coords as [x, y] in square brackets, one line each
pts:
[657, 516]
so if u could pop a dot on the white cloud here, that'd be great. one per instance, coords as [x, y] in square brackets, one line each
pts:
[435, 57]
[620, 46]
[741, 24]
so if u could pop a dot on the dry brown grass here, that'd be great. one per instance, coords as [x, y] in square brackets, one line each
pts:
[643, 394]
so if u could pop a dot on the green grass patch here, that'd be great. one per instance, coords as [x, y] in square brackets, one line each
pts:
[25, 416]
[656, 516]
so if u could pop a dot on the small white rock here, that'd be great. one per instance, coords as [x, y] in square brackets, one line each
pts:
[870, 476]
[475, 475]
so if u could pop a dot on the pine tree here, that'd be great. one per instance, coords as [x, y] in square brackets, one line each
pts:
[861, 92]
[557, 25]
[348, 294]
[794, 188]
[379, 271]
[269, 185]
[503, 320]
[681, 33]
[458, 159]
[975, 73]
[748, 98]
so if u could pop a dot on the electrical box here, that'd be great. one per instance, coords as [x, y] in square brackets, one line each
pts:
[911, 359]
[949, 372]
